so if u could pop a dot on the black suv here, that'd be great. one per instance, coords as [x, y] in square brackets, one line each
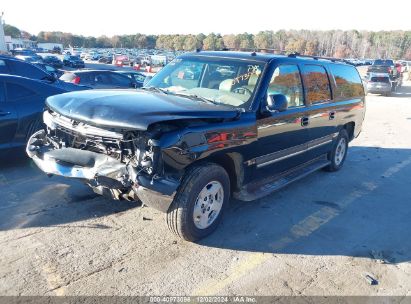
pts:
[73, 61]
[208, 126]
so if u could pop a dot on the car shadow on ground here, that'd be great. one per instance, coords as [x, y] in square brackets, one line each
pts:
[31, 199]
[362, 210]
[402, 92]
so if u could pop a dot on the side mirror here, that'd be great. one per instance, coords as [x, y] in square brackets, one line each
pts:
[277, 103]
[147, 80]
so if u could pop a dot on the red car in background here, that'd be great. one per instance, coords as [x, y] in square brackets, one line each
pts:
[121, 60]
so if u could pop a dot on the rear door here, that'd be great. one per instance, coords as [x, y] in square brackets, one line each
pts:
[321, 112]
[8, 119]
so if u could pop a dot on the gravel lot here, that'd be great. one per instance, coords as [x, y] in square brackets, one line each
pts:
[319, 236]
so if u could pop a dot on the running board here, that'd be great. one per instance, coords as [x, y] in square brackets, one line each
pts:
[261, 188]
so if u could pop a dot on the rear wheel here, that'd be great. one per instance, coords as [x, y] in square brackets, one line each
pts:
[200, 202]
[338, 153]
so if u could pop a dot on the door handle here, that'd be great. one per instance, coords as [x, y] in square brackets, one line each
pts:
[331, 115]
[4, 113]
[305, 121]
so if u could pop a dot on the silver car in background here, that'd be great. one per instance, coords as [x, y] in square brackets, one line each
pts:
[378, 83]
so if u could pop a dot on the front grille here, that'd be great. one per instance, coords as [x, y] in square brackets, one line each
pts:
[92, 143]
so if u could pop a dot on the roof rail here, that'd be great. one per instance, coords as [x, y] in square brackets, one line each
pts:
[255, 50]
[296, 54]
[281, 52]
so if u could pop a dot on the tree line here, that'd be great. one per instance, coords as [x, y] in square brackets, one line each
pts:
[333, 43]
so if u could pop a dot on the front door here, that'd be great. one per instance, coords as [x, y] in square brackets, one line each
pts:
[283, 136]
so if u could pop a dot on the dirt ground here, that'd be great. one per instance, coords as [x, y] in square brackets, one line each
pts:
[319, 236]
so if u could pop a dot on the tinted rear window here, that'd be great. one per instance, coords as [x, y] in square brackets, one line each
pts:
[347, 80]
[383, 62]
[380, 79]
[27, 70]
[317, 84]
[121, 80]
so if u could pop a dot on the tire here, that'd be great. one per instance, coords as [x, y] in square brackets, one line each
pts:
[196, 184]
[337, 160]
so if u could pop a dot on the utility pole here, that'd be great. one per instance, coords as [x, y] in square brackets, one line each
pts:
[3, 47]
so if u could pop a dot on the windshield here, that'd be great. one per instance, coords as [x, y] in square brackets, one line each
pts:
[218, 80]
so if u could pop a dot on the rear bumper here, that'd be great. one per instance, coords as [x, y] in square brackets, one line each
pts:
[101, 172]
[379, 90]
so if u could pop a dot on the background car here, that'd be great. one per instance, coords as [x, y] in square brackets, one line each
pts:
[136, 76]
[26, 52]
[73, 61]
[106, 59]
[121, 60]
[379, 83]
[50, 69]
[31, 59]
[13, 66]
[21, 107]
[53, 61]
[100, 79]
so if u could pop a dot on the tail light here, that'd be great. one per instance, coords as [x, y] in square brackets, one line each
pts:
[76, 80]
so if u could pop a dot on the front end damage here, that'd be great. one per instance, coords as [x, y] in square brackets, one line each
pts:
[121, 164]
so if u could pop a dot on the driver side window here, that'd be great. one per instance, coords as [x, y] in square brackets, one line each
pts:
[286, 80]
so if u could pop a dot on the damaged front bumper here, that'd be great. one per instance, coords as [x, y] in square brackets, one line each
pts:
[102, 172]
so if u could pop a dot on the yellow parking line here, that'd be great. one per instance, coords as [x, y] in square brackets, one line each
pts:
[54, 281]
[302, 229]
[211, 287]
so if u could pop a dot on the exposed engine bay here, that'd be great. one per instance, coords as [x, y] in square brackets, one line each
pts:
[112, 162]
[133, 147]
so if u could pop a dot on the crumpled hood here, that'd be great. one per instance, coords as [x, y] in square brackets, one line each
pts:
[132, 109]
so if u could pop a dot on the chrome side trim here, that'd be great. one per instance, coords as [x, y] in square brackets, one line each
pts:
[280, 158]
[277, 156]
[318, 145]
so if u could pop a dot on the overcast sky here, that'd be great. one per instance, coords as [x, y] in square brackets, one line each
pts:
[89, 17]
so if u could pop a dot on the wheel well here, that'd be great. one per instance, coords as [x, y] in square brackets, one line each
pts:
[350, 130]
[232, 164]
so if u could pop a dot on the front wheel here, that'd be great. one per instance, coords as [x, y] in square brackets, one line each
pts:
[200, 201]
[338, 153]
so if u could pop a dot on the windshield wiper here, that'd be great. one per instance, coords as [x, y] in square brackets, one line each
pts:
[154, 89]
[196, 97]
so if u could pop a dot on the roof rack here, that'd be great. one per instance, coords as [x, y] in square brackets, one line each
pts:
[282, 52]
[255, 50]
[296, 54]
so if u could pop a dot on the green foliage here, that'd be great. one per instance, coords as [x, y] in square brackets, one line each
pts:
[359, 44]
[12, 31]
